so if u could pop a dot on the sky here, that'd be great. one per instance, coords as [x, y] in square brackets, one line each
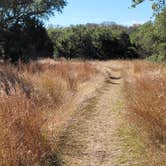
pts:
[98, 11]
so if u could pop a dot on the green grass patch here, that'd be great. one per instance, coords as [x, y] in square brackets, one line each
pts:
[133, 147]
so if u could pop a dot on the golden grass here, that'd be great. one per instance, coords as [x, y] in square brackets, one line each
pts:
[11, 83]
[20, 139]
[35, 99]
[145, 89]
[30, 97]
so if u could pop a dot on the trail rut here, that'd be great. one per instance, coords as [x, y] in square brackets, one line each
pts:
[91, 138]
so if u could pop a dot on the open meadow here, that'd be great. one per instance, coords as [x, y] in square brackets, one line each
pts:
[82, 83]
[79, 113]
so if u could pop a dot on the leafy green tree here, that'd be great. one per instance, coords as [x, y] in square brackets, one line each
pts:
[160, 26]
[150, 38]
[22, 35]
[160, 31]
[145, 39]
[15, 11]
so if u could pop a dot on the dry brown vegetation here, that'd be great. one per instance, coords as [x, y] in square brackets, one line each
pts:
[145, 89]
[32, 98]
[37, 101]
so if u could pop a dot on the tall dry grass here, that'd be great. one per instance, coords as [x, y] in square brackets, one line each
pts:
[145, 89]
[29, 98]
[21, 141]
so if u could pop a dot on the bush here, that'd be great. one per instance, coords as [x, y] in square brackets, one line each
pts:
[162, 49]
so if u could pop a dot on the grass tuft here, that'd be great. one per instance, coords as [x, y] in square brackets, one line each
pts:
[145, 93]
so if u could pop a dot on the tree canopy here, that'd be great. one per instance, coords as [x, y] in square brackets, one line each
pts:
[150, 38]
[22, 34]
[14, 11]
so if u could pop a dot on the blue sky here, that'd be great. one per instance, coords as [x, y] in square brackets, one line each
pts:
[97, 11]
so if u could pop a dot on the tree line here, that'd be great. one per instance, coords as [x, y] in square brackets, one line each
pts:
[111, 41]
[24, 37]
[92, 41]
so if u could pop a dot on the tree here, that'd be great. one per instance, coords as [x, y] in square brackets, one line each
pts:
[22, 35]
[27, 41]
[145, 39]
[160, 26]
[150, 38]
[160, 30]
[157, 5]
[15, 11]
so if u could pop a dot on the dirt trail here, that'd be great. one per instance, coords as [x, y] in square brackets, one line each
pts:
[91, 137]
